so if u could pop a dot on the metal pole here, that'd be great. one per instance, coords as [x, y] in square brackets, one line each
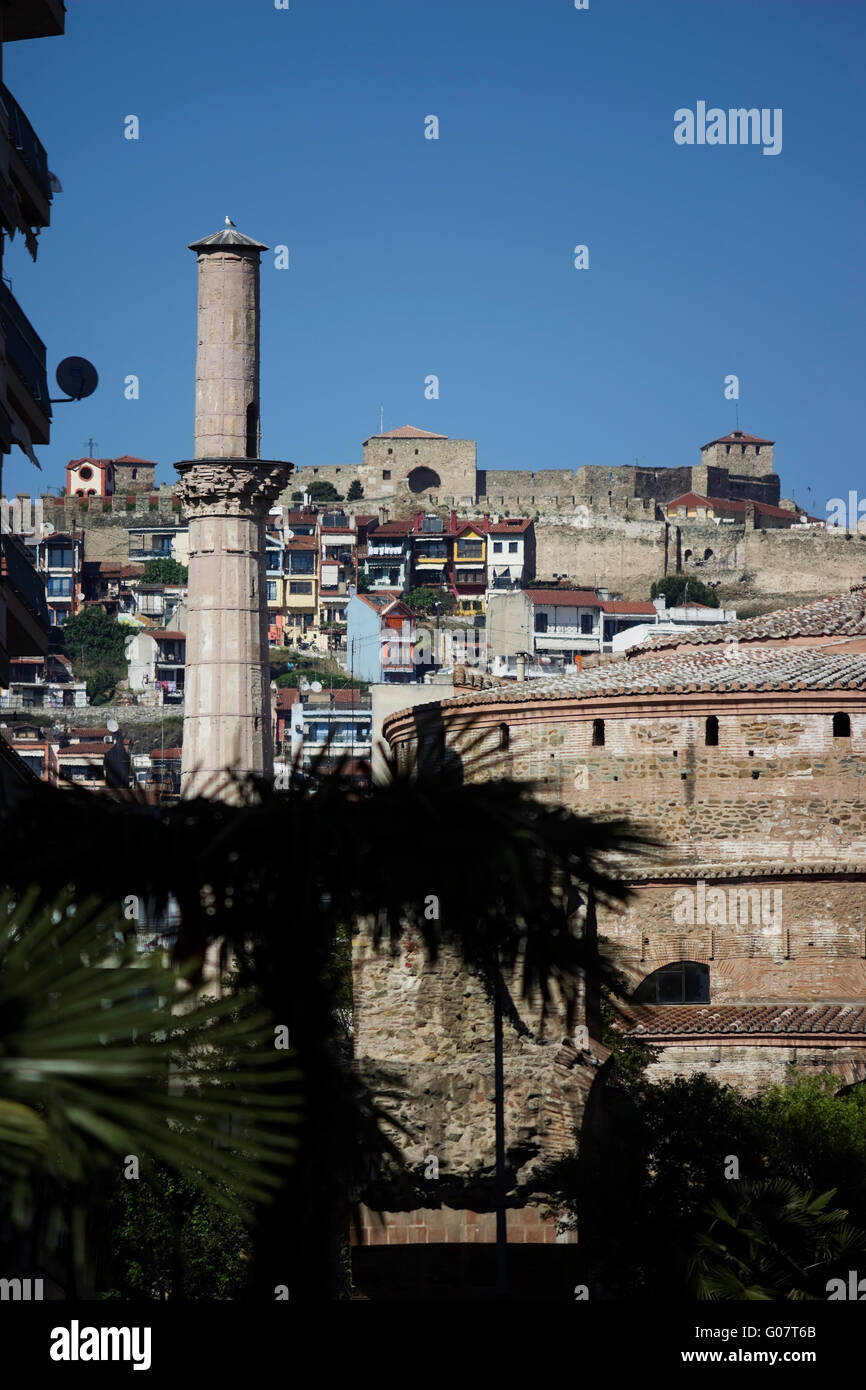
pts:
[499, 1089]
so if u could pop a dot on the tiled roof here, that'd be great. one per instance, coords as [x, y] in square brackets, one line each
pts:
[130, 458]
[89, 749]
[515, 524]
[408, 432]
[741, 669]
[302, 543]
[161, 753]
[566, 598]
[734, 504]
[738, 437]
[390, 528]
[843, 615]
[287, 695]
[675, 1020]
[165, 632]
[97, 463]
[626, 607]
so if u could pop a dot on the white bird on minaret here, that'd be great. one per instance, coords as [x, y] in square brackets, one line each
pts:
[229, 222]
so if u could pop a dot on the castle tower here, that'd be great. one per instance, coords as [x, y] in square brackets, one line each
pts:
[227, 491]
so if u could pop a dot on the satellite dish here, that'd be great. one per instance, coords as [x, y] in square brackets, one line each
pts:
[316, 687]
[77, 377]
[48, 528]
[112, 726]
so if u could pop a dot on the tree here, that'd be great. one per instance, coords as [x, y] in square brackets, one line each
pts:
[100, 1069]
[770, 1240]
[226, 866]
[164, 570]
[424, 598]
[682, 588]
[95, 644]
[322, 491]
[356, 492]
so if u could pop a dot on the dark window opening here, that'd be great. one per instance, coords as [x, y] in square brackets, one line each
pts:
[711, 732]
[598, 733]
[252, 431]
[504, 737]
[684, 982]
[841, 725]
[386, 472]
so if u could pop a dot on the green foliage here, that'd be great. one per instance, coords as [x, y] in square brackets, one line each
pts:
[103, 1054]
[423, 598]
[769, 1240]
[356, 492]
[164, 570]
[363, 582]
[684, 588]
[322, 491]
[94, 643]
[169, 1241]
[656, 1186]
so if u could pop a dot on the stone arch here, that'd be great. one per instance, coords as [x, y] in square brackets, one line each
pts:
[422, 479]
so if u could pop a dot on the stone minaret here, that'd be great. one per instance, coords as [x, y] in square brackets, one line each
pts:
[227, 491]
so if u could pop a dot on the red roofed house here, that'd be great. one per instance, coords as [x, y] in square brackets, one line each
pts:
[89, 477]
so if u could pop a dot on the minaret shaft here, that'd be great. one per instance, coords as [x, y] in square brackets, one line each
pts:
[227, 491]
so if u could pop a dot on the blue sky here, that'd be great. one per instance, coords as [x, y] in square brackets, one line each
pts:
[411, 257]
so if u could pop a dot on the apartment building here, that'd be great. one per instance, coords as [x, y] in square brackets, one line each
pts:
[26, 190]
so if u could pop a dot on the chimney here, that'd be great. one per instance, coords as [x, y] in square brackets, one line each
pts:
[521, 666]
[453, 520]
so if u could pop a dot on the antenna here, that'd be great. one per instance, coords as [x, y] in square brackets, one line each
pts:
[381, 419]
[737, 414]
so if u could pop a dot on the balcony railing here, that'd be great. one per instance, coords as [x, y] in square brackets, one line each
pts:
[24, 349]
[26, 141]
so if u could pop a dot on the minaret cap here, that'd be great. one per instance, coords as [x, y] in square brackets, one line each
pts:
[227, 236]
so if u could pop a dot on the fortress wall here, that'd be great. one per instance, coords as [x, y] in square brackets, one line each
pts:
[624, 556]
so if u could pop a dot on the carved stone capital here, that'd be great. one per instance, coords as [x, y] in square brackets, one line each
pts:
[231, 487]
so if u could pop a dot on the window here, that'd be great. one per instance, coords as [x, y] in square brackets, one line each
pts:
[300, 586]
[504, 737]
[85, 472]
[683, 982]
[512, 547]
[541, 622]
[841, 725]
[302, 562]
[151, 603]
[60, 587]
[711, 732]
[470, 550]
[598, 733]
[252, 431]
[272, 591]
[59, 557]
[390, 451]
[386, 472]
[585, 624]
[497, 547]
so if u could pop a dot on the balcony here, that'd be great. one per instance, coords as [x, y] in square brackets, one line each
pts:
[28, 162]
[27, 382]
[385, 550]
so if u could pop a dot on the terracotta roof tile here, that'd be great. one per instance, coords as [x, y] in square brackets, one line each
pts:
[738, 669]
[675, 1020]
[738, 437]
[843, 615]
[408, 432]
